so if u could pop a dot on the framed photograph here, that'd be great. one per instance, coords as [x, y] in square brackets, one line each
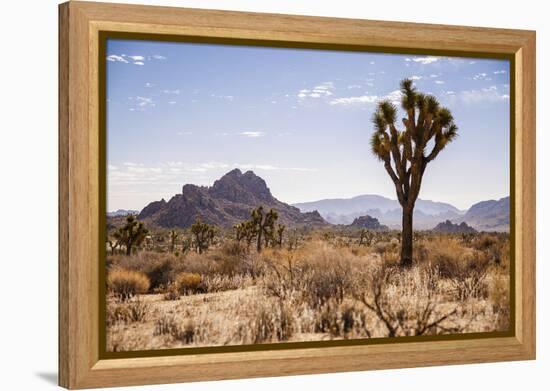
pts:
[247, 195]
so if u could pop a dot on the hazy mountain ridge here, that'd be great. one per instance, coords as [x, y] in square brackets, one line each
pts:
[488, 215]
[122, 212]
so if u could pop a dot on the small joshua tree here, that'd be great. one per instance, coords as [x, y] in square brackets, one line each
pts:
[114, 244]
[366, 237]
[132, 234]
[404, 152]
[203, 235]
[173, 238]
[280, 230]
[264, 225]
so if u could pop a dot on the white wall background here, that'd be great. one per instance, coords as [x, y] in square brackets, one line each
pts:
[28, 193]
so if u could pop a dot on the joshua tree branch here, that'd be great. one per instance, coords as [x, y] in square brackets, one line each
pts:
[395, 179]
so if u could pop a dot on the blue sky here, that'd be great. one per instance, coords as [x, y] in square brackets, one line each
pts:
[182, 113]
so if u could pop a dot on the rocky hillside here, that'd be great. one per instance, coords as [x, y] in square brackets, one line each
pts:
[448, 227]
[368, 222]
[228, 201]
[492, 215]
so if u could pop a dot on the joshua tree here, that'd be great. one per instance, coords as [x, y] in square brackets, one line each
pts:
[173, 237]
[280, 230]
[203, 234]
[366, 237]
[113, 244]
[185, 245]
[425, 121]
[263, 225]
[132, 234]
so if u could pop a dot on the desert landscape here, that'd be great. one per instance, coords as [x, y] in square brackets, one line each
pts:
[259, 195]
[262, 271]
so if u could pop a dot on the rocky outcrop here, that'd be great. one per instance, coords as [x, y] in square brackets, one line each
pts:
[227, 202]
[368, 222]
[449, 228]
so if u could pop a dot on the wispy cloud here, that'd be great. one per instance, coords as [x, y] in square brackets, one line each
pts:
[140, 103]
[116, 58]
[393, 96]
[252, 134]
[136, 58]
[228, 98]
[439, 82]
[178, 173]
[423, 60]
[171, 92]
[489, 94]
[354, 100]
[133, 59]
[501, 72]
[481, 76]
[319, 91]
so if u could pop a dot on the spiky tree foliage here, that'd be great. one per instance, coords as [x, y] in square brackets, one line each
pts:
[173, 238]
[203, 235]
[132, 234]
[366, 237]
[280, 230]
[405, 152]
[245, 231]
[114, 243]
[185, 245]
[264, 225]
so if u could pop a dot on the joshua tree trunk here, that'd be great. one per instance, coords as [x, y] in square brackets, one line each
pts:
[406, 238]
[259, 242]
[128, 249]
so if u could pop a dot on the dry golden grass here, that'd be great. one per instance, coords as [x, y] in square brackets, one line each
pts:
[327, 288]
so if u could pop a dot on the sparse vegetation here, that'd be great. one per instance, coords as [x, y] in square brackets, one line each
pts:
[310, 285]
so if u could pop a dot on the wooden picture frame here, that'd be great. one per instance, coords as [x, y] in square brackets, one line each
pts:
[80, 26]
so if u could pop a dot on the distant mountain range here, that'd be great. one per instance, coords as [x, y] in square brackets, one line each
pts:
[486, 215]
[232, 197]
[492, 215]
[227, 202]
[122, 212]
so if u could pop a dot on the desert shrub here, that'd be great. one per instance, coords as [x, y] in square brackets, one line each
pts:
[188, 283]
[135, 311]
[164, 324]
[499, 296]
[172, 292]
[184, 332]
[485, 241]
[465, 268]
[344, 320]
[124, 284]
[221, 283]
[202, 264]
[161, 274]
[272, 323]
[323, 285]
[404, 301]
